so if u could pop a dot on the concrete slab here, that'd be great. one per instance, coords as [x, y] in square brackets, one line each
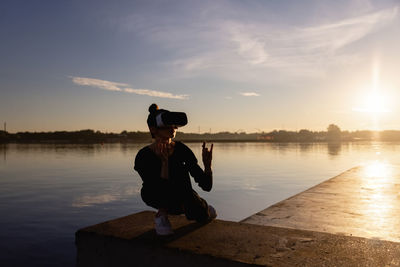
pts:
[131, 241]
[363, 202]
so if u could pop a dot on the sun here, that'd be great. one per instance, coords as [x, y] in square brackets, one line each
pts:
[374, 103]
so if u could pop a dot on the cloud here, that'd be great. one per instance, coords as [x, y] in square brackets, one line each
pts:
[250, 48]
[249, 94]
[296, 47]
[106, 85]
[244, 51]
[336, 35]
[115, 86]
[154, 93]
[260, 44]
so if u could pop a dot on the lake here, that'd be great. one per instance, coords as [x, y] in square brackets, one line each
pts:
[47, 192]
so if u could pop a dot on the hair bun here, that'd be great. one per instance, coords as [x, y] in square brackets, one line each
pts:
[153, 108]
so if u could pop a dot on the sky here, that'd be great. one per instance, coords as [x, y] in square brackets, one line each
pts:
[234, 66]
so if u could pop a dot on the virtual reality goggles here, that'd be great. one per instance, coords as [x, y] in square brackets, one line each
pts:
[168, 118]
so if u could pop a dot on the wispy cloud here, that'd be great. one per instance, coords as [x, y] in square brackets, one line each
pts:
[333, 36]
[251, 48]
[249, 94]
[116, 86]
[102, 84]
[217, 42]
[296, 47]
[154, 93]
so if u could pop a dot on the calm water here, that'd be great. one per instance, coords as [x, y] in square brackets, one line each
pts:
[47, 192]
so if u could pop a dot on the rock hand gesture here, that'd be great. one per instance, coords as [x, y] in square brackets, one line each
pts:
[207, 157]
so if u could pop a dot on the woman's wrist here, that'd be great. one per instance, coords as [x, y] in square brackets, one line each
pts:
[207, 169]
[164, 169]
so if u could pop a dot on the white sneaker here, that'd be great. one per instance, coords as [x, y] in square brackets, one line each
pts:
[163, 225]
[212, 212]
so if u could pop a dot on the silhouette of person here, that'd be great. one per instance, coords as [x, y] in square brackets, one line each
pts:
[164, 167]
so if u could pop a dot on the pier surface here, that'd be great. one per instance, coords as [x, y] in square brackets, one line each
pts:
[363, 201]
[349, 220]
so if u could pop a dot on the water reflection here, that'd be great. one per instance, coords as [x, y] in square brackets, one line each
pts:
[4, 148]
[119, 194]
[305, 147]
[334, 148]
[380, 200]
[59, 149]
[377, 169]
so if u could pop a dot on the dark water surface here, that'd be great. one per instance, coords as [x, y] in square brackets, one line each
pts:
[47, 192]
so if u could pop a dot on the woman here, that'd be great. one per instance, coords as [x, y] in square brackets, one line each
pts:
[164, 167]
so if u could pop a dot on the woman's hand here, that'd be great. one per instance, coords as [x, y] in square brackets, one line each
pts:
[207, 157]
[164, 150]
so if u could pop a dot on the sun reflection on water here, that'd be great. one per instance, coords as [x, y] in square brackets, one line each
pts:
[378, 202]
[377, 169]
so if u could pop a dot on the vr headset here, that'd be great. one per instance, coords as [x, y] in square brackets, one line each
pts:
[168, 118]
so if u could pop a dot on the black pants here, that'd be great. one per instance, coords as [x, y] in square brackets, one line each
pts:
[188, 202]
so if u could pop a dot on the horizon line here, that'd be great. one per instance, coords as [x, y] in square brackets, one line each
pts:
[223, 131]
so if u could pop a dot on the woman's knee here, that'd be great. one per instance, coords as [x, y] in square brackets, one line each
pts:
[158, 200]
[196, 208]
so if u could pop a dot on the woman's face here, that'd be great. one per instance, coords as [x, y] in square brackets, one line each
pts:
[164, 132]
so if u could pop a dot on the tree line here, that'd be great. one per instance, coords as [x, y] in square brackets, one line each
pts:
[332, 134]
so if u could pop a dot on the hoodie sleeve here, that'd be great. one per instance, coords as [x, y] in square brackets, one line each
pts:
[148, 168]
[204, 180]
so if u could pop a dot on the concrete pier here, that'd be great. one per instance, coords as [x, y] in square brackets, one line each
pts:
[363, 201]
[349, 220]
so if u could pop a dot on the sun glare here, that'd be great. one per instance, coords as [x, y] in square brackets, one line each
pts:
[374, 103]
[377, 169]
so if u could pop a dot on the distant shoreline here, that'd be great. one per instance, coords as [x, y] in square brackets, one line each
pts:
[50, 142]
[333, 134]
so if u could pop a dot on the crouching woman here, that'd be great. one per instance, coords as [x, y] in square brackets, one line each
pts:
[164, 167]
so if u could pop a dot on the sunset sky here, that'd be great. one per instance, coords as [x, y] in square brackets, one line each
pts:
[230, 65]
